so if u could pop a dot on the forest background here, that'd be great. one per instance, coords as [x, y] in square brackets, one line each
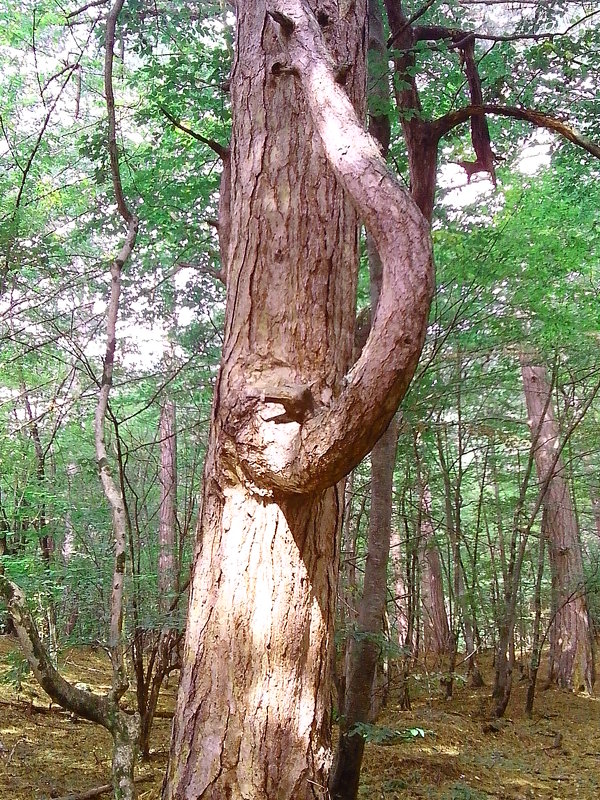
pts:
[474, 563]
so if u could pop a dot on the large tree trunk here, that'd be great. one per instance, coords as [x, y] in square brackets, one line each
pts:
[253, 711]
[570, 634]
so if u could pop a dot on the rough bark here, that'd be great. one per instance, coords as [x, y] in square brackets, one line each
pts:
[253, 711]
[570, 634]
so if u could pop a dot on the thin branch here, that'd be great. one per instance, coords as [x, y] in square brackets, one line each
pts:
[56, 75]
[10, 147]
[35, 58]
[40, 136]
[111, 24]
[417, 15]
[81, 9]
[217, 274]
[219, 149]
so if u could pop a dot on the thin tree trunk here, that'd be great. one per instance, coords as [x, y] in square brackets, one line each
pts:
[437, 637]
[400, 589]
[571, 634]
[164, 642]
[537, 641]
[167, 479]
[348, 587]
[366, 647]
[452, 496]
[406, 600]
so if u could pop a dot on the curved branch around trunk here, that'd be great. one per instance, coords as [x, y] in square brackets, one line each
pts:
[316, 446]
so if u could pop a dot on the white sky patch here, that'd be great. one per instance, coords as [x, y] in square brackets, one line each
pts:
[458, 192]
[537, 154]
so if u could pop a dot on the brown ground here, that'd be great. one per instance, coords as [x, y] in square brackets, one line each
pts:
[50, 755]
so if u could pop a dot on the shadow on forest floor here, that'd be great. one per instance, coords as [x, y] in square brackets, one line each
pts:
[44, 753]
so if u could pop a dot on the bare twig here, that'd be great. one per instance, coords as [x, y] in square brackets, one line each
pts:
[100, 790]
[81, 9]
[417, 15]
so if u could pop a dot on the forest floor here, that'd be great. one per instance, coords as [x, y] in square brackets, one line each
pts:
[45, 753]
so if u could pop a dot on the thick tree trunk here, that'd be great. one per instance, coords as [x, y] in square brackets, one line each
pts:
[571, 635]
[253, 712]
